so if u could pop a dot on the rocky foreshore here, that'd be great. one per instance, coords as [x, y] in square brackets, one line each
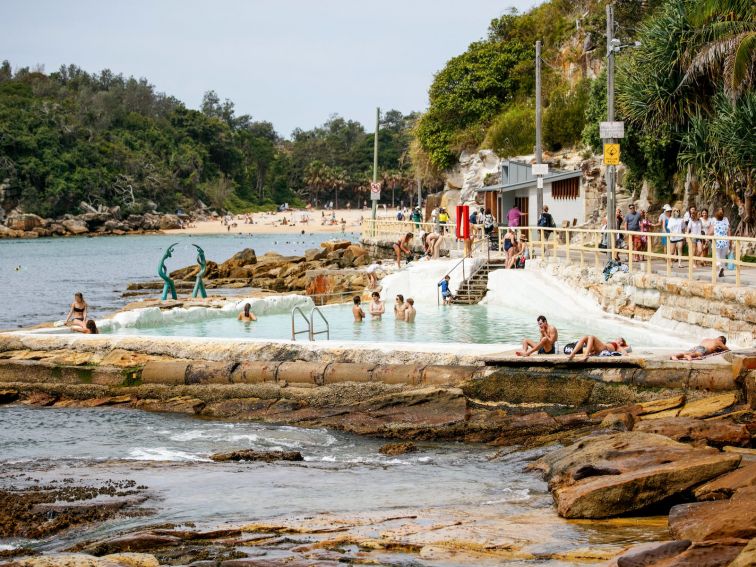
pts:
[106, 221]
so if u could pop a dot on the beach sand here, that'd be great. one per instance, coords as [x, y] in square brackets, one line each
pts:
[272, 223]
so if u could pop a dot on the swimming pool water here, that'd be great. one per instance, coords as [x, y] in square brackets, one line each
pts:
[466, 324]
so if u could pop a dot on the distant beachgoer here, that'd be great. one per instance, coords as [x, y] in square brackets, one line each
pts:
[77, 314]
[372, 275]
[706, 228]
[489, 223]
[514, 215]
[445, 291]
[707, 346]
[247, 314]
[357, 311]
[402, 246]
[510, 244]
[399, 307]
[593, 345]
[377, 308]
[721, 227]
[89, 329]
[547, 342]
[433, 245]
[676, 238]
[409, 310]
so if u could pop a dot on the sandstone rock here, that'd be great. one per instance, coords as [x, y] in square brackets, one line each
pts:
[747, 557]
[39, 399]
[394, 449]
[24, 221]
[75, 226]
[252, 455]
[133, 559]
[609, 475]
[717, 520]
[720, 432]
[524, 387]
[63, 560]
[724, 487]
[618, 421]
[180, 404]
[707, 407]
[8, 396]
[132, 542]
[651, 553]
[332, 245]
[168, 222]
[710, 554]
[661, 405]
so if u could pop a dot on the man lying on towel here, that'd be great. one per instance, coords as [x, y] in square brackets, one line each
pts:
[706, 348]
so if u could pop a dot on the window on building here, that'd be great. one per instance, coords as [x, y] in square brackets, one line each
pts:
[566, 188]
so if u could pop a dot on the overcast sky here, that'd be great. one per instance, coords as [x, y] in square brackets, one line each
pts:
[292, 62]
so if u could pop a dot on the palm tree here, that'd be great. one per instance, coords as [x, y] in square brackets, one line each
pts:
[723, 46]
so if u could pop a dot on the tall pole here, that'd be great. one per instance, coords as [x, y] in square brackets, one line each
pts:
[611, 172]
[419, 193]
[375, 158]
[538, 147]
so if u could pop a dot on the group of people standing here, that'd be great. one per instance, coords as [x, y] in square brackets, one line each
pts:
[404, 309]
[679, 226]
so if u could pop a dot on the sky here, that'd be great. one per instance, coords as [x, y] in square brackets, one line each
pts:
[291, 62]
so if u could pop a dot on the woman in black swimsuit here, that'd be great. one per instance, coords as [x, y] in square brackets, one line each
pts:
[402, 246]
[77, 314]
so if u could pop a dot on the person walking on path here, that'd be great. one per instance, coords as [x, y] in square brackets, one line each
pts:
[721, 227]
[676, 238]
[546, 221]
[632, 224]
[547, 342]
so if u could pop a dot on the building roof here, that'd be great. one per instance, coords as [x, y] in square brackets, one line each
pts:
[519, 175]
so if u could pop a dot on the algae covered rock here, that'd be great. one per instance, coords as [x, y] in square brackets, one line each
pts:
[252, 455]
[394, 449]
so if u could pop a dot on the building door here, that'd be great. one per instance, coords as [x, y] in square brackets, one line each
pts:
[490, 203]
[522, 204]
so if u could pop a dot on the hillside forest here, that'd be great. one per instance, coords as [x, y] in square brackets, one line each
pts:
[685, 93]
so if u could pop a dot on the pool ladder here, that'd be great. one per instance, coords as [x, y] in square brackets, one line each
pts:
[310, 330]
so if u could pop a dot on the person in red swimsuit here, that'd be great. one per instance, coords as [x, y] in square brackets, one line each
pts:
[591, 345]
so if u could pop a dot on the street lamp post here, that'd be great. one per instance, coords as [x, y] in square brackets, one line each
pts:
[611, 172]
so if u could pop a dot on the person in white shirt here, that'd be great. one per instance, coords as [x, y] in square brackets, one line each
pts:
[676, 232]
[695, 229]
[372, 275]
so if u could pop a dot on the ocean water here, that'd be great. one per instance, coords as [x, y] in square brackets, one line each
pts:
[39, 277]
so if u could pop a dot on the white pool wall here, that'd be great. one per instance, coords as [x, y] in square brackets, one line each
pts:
[420, 279]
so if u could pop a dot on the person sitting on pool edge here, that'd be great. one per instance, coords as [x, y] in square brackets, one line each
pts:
[377, 308]
[409, 310]
[357, 311]
[89, 329]
[547, 344]
[445, 292]
[593, 345]
[707, 346]
[247, 314]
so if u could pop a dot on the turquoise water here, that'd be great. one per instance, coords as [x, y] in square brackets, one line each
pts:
[434, 324]
[39, 277]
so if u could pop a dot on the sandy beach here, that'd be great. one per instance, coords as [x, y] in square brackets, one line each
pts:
[289, 222]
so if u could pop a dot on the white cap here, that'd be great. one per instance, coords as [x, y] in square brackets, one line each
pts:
[666, 208]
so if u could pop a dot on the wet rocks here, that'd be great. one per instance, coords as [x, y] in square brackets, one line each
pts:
[609, 475]
[252, 455]
[395, 449]
[8, 396]
[718, 520]
[84, 560]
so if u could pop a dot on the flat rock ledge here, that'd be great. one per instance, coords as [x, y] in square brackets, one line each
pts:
[252, 455]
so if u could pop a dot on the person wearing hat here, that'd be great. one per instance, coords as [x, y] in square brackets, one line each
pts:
[664, 217]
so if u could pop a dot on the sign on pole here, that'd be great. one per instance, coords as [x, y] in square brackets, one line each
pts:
[609, 130]
[611, 154]
[540, 168]
[375, 191]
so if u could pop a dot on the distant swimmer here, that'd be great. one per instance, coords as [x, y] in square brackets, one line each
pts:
[357, 311]
[90, 328]
[18, 268]
[409, 310]
[591, 345]
[547, 342]
[247, 314]
[377, 308]
[707, 347]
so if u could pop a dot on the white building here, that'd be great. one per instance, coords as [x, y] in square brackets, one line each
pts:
[563, 193]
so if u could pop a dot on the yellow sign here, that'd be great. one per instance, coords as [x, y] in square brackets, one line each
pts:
[611, 154]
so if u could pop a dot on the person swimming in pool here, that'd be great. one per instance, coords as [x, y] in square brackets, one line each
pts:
[409, 310]
[547, 342]
[591, 345]
[399, 307]
[77, 314]
[707, 346]
[247, 315]
[90, 328]
[359, 314]
[377, 308]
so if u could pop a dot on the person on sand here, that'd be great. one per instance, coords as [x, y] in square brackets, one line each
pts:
[399, 307]
[359, 314]
[445, 291]
[77, 313]
[402, 246]
[377, 308]
[89, 329]
[247, 314]
[591, 345]
[372, 275]
[707, 347]
[409, 310]
[547, 342]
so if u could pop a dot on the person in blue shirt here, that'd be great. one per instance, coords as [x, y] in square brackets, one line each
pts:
[445, 292]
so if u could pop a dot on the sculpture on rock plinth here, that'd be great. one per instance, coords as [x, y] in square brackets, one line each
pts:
[163, 273]
[199, 287]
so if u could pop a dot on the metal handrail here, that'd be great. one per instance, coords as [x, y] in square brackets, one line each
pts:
[486, 239]
[294, 332]
[312, 324]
